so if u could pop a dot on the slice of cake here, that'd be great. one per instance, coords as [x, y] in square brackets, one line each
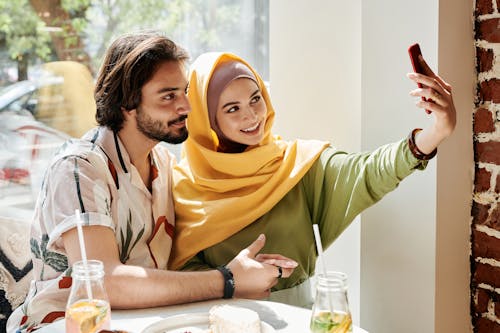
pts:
[233, 319]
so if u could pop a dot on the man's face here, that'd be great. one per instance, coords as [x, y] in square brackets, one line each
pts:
[162, 114]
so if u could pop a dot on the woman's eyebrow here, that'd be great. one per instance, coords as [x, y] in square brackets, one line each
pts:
[234, 103]
[230, 103]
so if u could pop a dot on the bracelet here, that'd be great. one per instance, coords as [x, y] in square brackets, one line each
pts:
[228, 281]
[414, 149]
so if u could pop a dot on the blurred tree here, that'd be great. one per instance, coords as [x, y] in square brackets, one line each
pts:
[200, 21]
[24, 34]
[81, 30]
[38, 28]
[65, 19]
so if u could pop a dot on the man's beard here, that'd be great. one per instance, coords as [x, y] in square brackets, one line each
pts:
[154, 129]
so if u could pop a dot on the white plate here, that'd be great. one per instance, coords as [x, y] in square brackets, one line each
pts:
[190, 322]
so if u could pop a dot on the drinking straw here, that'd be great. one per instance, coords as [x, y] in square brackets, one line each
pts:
[79, 223]
[321, 257]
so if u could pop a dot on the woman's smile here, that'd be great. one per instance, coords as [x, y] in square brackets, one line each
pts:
[251, 130]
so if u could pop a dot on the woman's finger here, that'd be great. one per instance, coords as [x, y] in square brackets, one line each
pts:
[271, 256]
[286, 272]
[432, 96]
[429, 72]
[276, 260]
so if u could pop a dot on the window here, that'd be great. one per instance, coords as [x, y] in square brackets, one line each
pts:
[43, 45]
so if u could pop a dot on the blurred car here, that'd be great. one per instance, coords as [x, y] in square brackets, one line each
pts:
[26, 147]
[36, 117]
[23, 95]
[61, 97]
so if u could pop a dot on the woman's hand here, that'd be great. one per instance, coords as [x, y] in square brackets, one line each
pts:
[279, 261]
[439, 101]
[255, 274]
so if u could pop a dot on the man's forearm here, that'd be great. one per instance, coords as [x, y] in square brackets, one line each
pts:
[137, 287]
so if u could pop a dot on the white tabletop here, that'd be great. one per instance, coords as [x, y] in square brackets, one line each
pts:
[283, 317]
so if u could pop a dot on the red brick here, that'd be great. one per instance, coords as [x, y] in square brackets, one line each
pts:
[487, 274]
[484, 59]
[479, 213]
[489, 90]
[488, 152]
[497, 187]
[494, 219]
[485, 246]
[482, 180]
[488, 30]
[498, 3]
[484, 7]
[483, 121]
[483, 298]
[484, 325]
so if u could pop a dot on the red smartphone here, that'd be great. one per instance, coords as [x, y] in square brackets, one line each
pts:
[414, 52]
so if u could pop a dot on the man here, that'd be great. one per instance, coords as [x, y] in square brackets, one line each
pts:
[117, 179]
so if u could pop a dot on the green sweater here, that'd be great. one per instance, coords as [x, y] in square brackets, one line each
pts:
[332, 193]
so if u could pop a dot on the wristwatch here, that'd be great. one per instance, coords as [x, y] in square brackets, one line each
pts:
[228, 281]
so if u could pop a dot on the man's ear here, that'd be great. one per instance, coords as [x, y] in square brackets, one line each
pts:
[127, 113]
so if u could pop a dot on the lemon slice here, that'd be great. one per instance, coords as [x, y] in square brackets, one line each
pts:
[89, 315]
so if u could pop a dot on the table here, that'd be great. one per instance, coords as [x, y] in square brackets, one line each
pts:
[283, 317]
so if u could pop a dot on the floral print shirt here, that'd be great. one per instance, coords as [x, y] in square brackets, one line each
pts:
[94, 175]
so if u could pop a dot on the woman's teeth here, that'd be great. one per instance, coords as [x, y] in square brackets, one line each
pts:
[251, 128]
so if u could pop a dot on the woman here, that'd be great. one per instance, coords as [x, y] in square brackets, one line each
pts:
[237, 180]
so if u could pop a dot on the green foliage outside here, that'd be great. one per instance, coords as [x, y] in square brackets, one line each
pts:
[23, 32]
[97, 22]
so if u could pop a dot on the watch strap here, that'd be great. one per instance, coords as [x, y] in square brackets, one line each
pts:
[228, 281]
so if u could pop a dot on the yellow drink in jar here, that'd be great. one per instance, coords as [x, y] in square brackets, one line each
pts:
[323, 322]
[88, 316]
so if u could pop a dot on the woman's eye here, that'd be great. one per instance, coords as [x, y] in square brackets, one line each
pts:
[232, 109]
[255, 99]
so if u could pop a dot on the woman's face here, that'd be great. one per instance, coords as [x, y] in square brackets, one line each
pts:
[241, 112]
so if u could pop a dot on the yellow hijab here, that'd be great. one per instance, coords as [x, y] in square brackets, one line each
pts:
[218, 194]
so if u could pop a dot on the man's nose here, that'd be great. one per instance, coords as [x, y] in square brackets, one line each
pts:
[183, 107]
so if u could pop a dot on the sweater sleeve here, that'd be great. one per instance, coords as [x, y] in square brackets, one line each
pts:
[196, 263]
[341, 185]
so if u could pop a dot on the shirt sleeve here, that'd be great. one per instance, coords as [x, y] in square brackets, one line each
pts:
[74, 183]
[341, 185]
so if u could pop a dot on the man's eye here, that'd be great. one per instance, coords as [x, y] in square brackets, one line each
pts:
[169, 97]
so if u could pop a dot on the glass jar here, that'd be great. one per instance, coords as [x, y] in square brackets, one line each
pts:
[330, 312]
[88, 307]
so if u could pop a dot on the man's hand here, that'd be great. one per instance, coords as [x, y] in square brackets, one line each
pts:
[254, 275]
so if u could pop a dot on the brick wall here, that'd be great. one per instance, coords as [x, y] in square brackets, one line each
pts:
[485, 233]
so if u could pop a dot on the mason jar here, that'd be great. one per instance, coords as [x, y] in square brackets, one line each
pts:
[330, 312]
[88, 308]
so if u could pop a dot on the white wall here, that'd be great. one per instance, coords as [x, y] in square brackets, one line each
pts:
[338, 73]
[398, 233]
[316, 89]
